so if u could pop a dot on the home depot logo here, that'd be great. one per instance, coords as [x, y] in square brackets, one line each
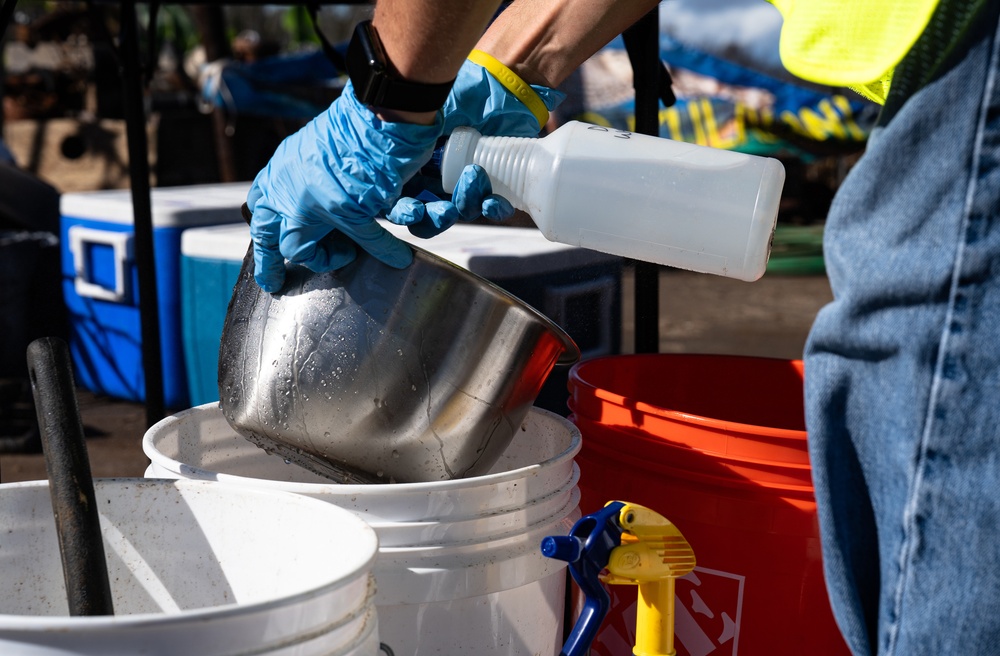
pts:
[707, 622]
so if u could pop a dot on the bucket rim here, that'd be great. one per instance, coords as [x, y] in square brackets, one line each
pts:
[565, 490]
[31, 623]
[491, 543]
[671, 446]
[575, 444]
[576, 380]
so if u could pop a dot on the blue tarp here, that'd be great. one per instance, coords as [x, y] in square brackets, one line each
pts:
[739, 109]
[753, 102]
[298, 85]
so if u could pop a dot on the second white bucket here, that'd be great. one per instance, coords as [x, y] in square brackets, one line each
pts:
[459, 568]
[194, 568]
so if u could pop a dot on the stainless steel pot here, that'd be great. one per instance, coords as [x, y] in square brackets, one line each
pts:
[374, 374]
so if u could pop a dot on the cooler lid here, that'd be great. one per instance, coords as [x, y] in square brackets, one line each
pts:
[500, 252]
[218, 242]
[190, 205]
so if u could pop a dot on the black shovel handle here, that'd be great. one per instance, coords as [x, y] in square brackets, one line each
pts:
[74, 504]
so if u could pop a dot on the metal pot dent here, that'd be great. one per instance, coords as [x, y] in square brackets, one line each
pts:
[373, 374]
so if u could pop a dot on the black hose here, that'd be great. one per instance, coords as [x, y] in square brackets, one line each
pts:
[74, 503]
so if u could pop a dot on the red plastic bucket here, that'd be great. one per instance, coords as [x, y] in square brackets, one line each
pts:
[717, 445]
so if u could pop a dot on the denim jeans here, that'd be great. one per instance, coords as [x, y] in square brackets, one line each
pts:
[903, 376]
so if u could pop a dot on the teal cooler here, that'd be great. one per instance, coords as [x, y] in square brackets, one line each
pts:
[578, 289]
[211, 259]
[100, 282]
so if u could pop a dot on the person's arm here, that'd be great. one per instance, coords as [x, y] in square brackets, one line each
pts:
[316, 200]
[543, 41]
[428, 40]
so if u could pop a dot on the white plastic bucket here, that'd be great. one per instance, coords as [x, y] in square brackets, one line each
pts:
[195, 568]
[459, 568]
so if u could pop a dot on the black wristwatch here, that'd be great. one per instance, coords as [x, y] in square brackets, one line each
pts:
[375, 82]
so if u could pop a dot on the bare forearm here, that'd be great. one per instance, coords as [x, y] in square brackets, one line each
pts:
[427, 40]
[544, 41]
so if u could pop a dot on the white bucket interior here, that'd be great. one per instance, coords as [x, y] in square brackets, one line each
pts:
[198, 443]
[194, 567]
[459, 561]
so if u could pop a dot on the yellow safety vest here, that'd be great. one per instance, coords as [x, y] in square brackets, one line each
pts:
[852, 43]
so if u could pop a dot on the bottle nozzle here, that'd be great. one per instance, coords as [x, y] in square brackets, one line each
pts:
[456, 154]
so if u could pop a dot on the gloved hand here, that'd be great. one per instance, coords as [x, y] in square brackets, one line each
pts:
[318, 196]
[428, 216]
[480, 101]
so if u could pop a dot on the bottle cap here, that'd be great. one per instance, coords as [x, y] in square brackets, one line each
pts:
[457, 154]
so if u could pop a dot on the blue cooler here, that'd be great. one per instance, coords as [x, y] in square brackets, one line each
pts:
[211, 259]
[579, 289]
[100, 282]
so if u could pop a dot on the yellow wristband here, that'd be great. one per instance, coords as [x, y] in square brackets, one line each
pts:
[521, 89]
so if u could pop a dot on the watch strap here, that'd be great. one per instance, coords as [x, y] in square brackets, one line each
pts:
[376, 84]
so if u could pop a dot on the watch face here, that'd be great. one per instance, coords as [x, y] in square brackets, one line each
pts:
[373, 81]
[366, 64]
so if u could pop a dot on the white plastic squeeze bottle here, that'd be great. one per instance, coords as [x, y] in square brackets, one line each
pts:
[634, 195]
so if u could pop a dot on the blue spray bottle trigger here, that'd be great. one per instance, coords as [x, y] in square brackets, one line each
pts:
[587, 549]
[562, 547]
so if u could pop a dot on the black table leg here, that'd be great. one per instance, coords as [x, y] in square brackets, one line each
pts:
[138, 158]
[646, 80]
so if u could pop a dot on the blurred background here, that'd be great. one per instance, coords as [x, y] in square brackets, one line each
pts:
[224, 84]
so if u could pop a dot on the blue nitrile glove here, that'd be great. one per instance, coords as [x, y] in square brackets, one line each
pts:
[428, 216]
[319, 194]
[479, 101]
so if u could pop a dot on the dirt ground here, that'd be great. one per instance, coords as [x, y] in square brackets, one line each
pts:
[699, 314]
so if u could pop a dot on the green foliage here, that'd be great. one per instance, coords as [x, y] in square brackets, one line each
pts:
[173, 25]
[299, 26]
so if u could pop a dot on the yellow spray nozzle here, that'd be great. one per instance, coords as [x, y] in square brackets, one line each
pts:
[652, 549]
[652, 555]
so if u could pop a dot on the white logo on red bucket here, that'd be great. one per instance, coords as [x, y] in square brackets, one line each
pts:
[707, 622]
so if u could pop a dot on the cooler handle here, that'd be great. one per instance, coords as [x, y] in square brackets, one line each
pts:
[121, 244]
